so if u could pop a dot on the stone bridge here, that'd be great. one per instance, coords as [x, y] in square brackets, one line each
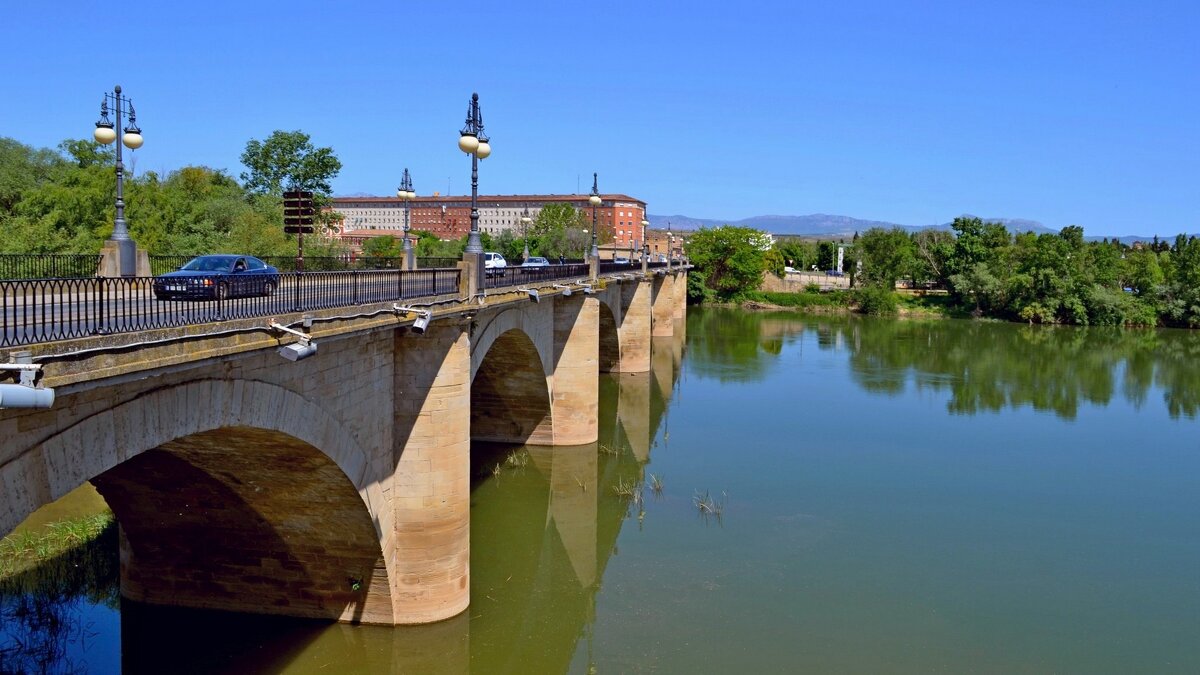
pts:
[337, 486]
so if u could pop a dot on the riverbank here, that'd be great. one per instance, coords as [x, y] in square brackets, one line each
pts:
[23, 550]
[902, 305]
[76, 520]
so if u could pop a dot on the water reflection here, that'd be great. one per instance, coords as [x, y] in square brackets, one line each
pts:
[985, 366]
[46, 617]
[545, 522]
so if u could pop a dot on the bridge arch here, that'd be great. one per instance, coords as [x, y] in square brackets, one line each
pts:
[162, 425]
[610, 339]
[510, 392]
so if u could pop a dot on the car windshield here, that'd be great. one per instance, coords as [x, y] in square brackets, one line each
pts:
[208, 263]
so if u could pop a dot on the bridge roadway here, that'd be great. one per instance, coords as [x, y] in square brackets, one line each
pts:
[337, 486]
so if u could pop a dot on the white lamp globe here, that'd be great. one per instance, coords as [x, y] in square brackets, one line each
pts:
[468, 143]
[105, 135]
[132, 140]
[483, 150]
[594, 200]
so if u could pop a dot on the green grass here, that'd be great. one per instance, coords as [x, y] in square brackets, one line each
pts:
[801, 300]
[24, 549]
[933, 305]
[929, 305]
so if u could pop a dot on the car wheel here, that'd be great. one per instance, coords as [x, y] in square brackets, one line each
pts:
[269, 288]
[222, 291]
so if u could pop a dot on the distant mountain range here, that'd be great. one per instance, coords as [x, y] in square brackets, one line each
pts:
[824, 225]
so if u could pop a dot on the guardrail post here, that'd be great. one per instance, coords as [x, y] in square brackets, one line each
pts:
[100, 306]
[466, 279]
[354, 284]
[296, 294]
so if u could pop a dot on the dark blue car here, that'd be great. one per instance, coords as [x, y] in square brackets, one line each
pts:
[216, 277]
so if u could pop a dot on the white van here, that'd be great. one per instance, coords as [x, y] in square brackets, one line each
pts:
[494, 263]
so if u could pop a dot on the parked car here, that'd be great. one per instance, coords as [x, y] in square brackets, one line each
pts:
[834, 273]
[494, 264]
[621, 260]
[216, 277]
[535, 261]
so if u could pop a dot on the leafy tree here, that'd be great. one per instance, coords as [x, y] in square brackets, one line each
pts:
[773, 262]
[730, 257]
[826, 255]
[559, 230]
[798, 254]
[287, 160]
[887, 256]
[931, 254]
[509, 246]
[1142, 272]
[386, 246]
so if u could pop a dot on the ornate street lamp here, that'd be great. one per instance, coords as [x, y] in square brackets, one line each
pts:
[594, 200]
[131, 137]
[645, 243]
[525, 222]
[670, 245]
[472, 141]
[405, 192]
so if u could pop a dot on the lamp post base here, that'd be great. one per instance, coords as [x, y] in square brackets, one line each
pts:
[122, 258]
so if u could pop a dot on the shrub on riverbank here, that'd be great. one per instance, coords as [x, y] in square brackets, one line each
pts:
[875, 301]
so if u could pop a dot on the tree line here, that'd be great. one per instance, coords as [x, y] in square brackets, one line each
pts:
[1053, 278]
[62, 200]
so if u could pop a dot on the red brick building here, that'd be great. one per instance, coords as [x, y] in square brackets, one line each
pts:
[450, 217]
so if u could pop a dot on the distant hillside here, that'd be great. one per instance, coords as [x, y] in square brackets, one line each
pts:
[824, 225]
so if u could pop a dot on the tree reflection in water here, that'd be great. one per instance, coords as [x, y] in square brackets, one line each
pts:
[43, 628]
[986, 366]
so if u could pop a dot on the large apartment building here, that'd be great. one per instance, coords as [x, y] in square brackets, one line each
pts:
[450, 217]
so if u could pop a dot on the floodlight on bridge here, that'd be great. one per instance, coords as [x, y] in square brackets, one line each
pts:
[25, 394]
[566, 290]
[297, 350]
[423, 317]
[533, 294]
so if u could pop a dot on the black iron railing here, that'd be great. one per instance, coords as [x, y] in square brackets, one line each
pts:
[431, 262]
[161, 264]
[44, 310]
[521, 276]
[54, 266]
[607, 266]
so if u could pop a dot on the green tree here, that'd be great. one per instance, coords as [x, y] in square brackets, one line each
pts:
[931, 254]
[886, 255]
[730, 257]
[559, 230]
[386, 246]
[287, 160]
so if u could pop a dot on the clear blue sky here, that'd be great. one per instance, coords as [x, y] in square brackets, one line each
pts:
[1082, 112]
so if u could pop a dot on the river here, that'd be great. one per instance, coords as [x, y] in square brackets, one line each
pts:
[880, 496]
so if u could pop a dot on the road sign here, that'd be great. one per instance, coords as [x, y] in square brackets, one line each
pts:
[298, 209]
[298, 214]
